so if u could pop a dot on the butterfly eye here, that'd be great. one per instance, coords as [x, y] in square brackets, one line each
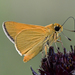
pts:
[57, 28]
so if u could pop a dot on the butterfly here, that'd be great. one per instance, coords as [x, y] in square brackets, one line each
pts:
[29, 40]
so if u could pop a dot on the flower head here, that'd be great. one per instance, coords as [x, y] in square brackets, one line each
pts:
[57, 63]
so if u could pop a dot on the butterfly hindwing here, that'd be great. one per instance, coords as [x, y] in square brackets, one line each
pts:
[29, 42]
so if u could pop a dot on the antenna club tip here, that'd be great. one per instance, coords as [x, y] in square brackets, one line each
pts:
[69, 39]
[74, 30]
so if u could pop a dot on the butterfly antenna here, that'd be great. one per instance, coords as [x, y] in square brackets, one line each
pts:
[66, 37]
[74, 24]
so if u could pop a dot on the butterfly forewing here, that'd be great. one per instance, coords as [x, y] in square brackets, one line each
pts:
[13, 28]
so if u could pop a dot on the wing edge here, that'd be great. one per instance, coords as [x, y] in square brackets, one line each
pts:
[9, 37]
[6, 32]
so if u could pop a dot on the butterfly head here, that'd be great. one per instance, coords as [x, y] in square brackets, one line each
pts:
[58, 28]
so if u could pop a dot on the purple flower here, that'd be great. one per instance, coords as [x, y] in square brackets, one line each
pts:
[58, 63]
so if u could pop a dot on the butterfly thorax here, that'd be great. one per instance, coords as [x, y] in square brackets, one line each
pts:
[54, 30]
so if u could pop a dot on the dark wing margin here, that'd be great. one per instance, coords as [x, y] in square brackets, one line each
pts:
[6, 32]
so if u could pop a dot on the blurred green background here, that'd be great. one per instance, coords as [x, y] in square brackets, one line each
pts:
[39, 12]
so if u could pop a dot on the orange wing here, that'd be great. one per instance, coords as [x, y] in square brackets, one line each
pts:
[29, 42]
[13, 28]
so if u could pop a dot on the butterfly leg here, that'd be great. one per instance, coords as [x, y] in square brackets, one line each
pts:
[55, 39]
[59, 40]
[45, 47]
[61, 43]
[45, 50]
[56, 45]
[42, 52]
